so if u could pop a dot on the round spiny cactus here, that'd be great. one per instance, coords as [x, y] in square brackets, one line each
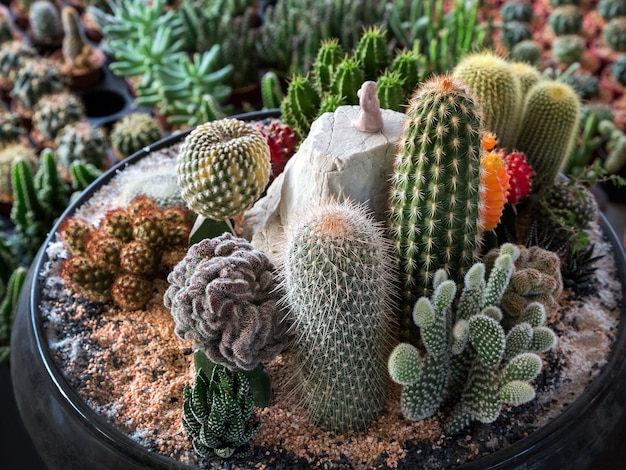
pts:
[527, 51]
[55, 111]
[37, 78]
[223, 295]
[498, 89]
[45, 23]
[223, 167]
[566, 19]
[516, 10]
[134, 132]
[610, 9]
[514, 32]
[12, 56]
[614, 33]
[548, 130]
[338, 285]
[568, 48]
[10, 127]
[81, 141]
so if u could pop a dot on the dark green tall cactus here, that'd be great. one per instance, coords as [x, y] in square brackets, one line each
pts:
[337, 282]
[498, 89]
[300, 106]
[372, 51]
[548, 130]
[8, 306]
[329, 55]
[347, 80]
[389, 91]
[435, 188]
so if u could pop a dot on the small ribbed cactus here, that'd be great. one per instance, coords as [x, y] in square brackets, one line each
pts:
[514, 32]
[347, 80]
[610, 9]
[301, 105]
[568, 48]
[338, 284]
[10, 127]
[45, 23]
[372, 52]
[8, 155]
[13, 54]
[527, 51]
[55, 111]
[410, 65]
[498, 89]
[223, 295]
[329, 55]
[218, 413]
[516, 10]
[81, 141]
[134, 132]
[223, 167]
[390, 92]
[528, 75]
[614, 33]
[77, 52]
[436, 185]
[548, 130]
[566, 19]
[37, 78]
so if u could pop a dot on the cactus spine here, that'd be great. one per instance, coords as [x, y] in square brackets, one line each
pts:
[499, 91]
[436, 185]
[337, 281]
[548, 130]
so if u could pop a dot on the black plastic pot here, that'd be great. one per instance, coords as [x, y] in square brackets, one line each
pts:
[68, 434]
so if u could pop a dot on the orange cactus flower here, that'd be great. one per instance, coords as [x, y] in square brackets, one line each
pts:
[488, 141]
[494, 181]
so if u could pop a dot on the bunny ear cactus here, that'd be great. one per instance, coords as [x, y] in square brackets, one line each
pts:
[223, 295]
[435, 194]
[499, 92]
[223, 167]
[548, 130]
[338, 284]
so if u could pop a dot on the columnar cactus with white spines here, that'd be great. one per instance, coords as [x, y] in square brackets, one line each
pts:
[338, 286]
[223, 295]
[436, 185]
[223, 167]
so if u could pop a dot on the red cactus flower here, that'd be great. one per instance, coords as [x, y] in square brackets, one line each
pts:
[520, 175]
[494, 181]
[282, 141]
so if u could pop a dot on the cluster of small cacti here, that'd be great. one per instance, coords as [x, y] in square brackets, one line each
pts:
[223, 167]
[55, 111]
[516, 18]
[218, 413]
[338, 283]
[469, 356]
[45, 23]
[337, 76]
[134, 132]
[118, 259]
[282, 141]
[223, 295]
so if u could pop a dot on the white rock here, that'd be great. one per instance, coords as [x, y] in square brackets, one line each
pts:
[334, 161]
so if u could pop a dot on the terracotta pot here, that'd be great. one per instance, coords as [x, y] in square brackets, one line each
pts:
[69, 434]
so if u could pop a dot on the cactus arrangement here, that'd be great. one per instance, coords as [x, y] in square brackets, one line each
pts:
[338, 285]
[117, 260]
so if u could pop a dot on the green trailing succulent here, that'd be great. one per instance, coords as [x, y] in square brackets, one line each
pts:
[339, 288]
[218, 413]
[223, 295]
[134, 132]
[468, 357]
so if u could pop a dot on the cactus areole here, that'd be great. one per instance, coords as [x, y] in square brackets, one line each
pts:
[223, 167]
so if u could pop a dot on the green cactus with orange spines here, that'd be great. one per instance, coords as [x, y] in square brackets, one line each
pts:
[372, 52]
[436, 185]
[223, 167]
[549, 128]
[498, 89]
